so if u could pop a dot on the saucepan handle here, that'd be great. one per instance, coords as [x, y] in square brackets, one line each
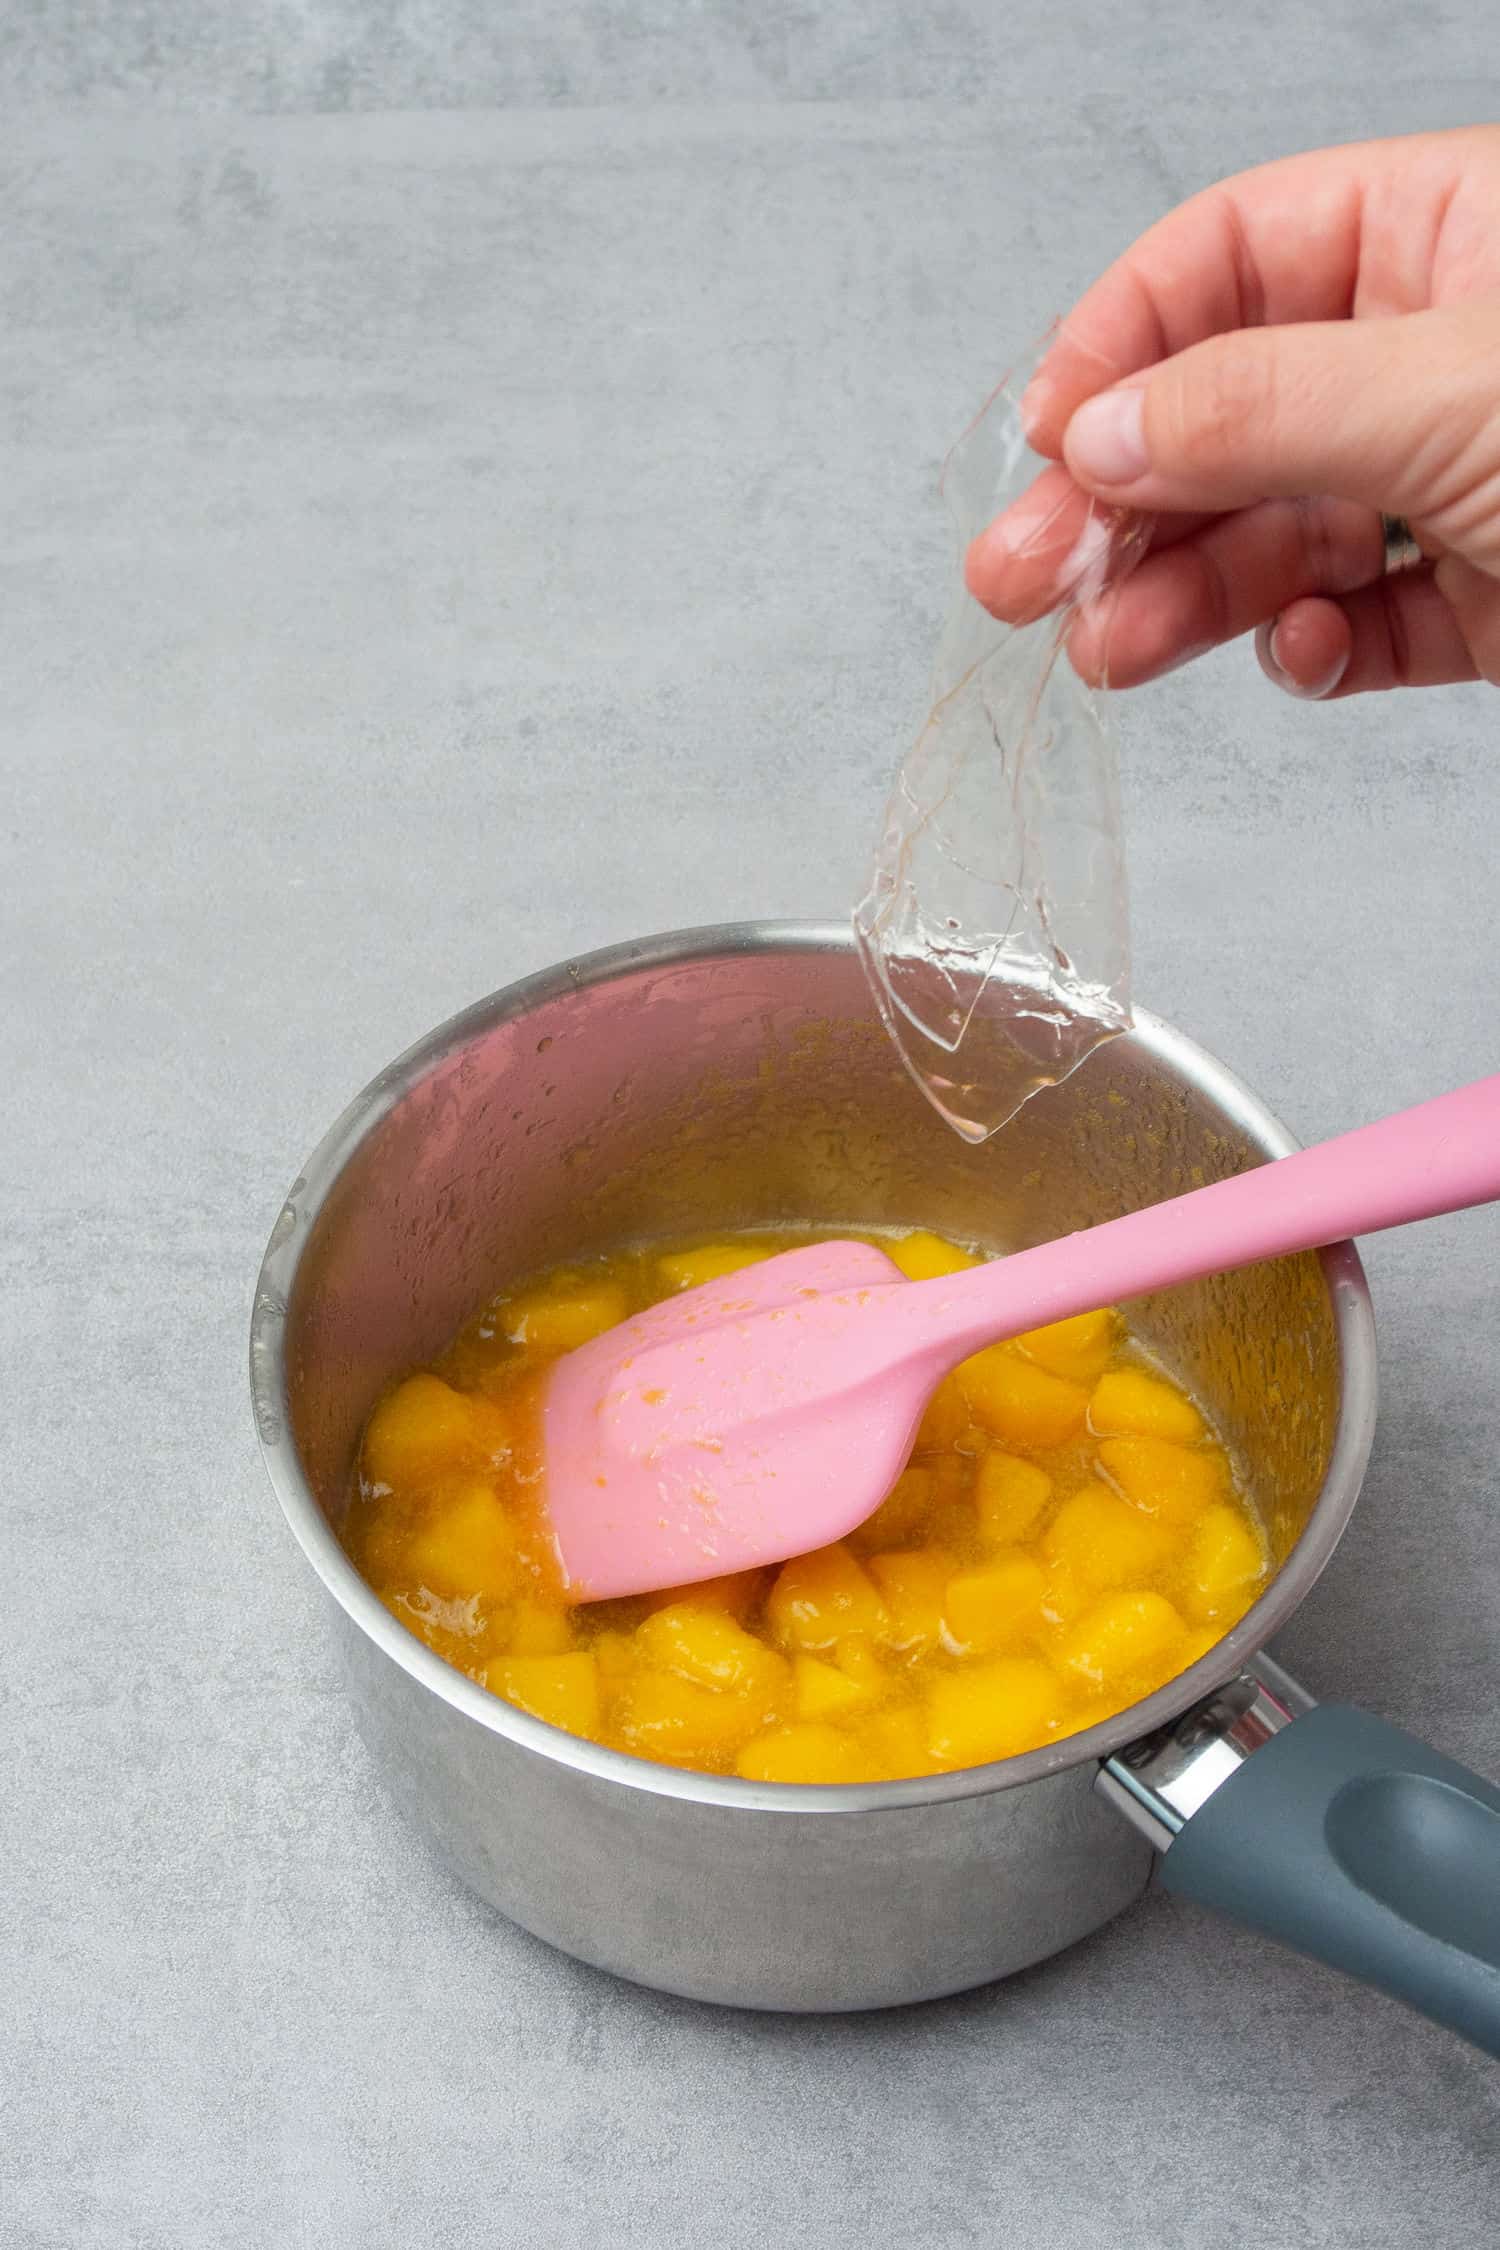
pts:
[1340, 1835]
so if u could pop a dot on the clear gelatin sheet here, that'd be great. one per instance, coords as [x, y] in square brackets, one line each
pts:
[995, 927]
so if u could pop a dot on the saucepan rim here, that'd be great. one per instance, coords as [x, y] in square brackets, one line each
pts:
[1354, 1326]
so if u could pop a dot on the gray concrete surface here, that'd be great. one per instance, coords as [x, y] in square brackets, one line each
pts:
[467, 496]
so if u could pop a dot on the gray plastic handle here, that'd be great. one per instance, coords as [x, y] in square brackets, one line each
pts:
[1355, 1843]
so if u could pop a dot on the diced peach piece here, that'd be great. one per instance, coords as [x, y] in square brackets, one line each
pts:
[1064, 1597]
[903, 1512]
[1127, 1402]
[1174, 1482]
[1021, 1403]
[467, 1545]
[810, 1751]
[1129, 1636]
[736, 1594]
[952, 1513]
[665, 1716]
[995, 1710]
[616, 1655]
[424, 1428]
[822, 1691]
[945, 1420]
[857, 1655]
[818, 1598]
[1225, 1560]
[1102, 1541]
[1077, 1349]
[928, 1257]
[1010, 1495]
[689, 1269]
[706, 1645]
[912, 1585]
[451, 1629]
[563, 1690]
[896, 1742]
[990, 1607]
[541, 1629]
[560, 1315]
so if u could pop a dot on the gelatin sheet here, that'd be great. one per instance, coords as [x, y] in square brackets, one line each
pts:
[995, 928]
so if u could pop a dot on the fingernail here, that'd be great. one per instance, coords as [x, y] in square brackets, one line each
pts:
[998, 541]
[1034, 404]
[1106, 441]
[1267, 648]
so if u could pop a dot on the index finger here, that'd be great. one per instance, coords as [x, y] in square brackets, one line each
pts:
[1278, 244]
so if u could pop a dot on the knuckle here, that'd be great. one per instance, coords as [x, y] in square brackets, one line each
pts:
[1221, 404]
[1335, 545]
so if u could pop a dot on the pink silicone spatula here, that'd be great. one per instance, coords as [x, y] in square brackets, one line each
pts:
[763, 1415]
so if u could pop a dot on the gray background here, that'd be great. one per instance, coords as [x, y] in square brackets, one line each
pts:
[468, 496]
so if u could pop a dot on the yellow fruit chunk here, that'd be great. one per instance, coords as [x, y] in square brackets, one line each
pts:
[1021, 1403]
[664, 1716]
[902, 1513]
[895, 1741]
[945, 1420]
[706, 1645]
[425, 1427]
[1224, 1561]
[927, 1257]
[818, 1598]
[1064, 1597]
[1078, 1348]
[1010, 1494]
[1124, 1637]
[950, 1519]
[821, 1691]
[451, 1629]
[912, 1586]
[736, 1594]
[1128, 1402]
[561, 1315]
[689, 1269]
[808, 1752]
[994, 1710]
[616, 1655]
[1175, 1482]
[856, 1654]
[467, 1546]
[563, 1690]
[1000, 1602]
[541, 1629]
[1101, 1541]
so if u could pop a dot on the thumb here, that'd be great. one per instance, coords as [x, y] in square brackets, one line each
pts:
[1402, 414]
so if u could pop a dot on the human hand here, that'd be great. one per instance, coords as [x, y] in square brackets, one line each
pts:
[1269, 369]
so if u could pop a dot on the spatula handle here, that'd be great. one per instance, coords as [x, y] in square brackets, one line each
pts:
[1443, 1155]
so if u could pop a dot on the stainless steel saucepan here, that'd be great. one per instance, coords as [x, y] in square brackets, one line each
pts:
[736, 1077]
